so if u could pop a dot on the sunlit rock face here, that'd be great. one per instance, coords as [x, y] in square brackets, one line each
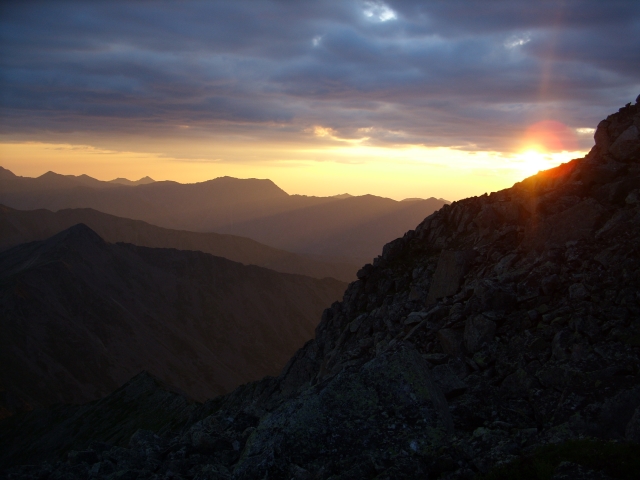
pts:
[501, 323]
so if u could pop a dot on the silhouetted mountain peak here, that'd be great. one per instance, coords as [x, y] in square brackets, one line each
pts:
[57, 181]
[125, 181]
[50, 174]
[262, 185]
[5, 173]
[78, 241]
[78, 233]
[57, 177]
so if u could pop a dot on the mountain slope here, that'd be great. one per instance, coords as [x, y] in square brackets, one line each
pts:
[144, 402]
[197, 206]
[79, 316]
[500, 324]
[354, 228]
[18, 226]
[253, 208]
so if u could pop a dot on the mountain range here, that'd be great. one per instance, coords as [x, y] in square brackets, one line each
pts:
[20, 226]
[498, 339]
[80, 316]
[344, 228]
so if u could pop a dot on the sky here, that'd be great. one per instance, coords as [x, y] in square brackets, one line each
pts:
[397, 98]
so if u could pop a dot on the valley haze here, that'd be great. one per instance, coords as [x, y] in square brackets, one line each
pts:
[342, 228]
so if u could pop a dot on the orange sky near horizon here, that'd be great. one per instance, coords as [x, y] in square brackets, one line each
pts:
[312, 169]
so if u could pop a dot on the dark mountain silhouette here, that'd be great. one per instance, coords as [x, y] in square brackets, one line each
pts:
[501, 334]
[126, 181]
[257, 209]
[79, 316]
[11, 184]
[18, 226]
[196, 207]
[144, 402]
[354, 228]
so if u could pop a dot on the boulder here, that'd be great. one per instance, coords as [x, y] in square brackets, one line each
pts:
[574, 223]
[450, 340]
[451, 269]
[493, 296]
[601, 136]
[632, 430]
[561, 343]
[578, 291]
[518, 384]
[477, 331]
[448, 381]
[626, 146]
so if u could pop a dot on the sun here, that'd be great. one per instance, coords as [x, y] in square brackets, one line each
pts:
[550, 136]
[545, 145]
[533, 160]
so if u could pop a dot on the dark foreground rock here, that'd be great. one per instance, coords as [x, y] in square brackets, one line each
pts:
[504, 324]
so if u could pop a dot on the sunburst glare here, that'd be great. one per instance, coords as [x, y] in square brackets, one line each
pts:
[533, 160]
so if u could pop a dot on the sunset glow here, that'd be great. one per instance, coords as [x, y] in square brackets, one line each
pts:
[404, 172]
[396, 99]
[533, 161]
[550, 136]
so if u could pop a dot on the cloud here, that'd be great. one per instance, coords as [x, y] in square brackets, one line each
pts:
[379, 11]
[472, 75]
[517, 40]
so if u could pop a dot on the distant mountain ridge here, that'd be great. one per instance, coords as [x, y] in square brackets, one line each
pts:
[359, 226]
[18, 226]
[79, 317]
[258, 209]
[126, 181]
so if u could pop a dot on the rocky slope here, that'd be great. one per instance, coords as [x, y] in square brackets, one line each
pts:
[501, 324]
[21, 226]
[79, 317]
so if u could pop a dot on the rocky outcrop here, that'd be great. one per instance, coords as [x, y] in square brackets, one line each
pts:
[502, 323]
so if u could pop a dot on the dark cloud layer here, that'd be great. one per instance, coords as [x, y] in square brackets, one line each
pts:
[453, 73]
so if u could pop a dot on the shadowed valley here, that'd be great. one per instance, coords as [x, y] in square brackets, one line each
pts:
[79, 317]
